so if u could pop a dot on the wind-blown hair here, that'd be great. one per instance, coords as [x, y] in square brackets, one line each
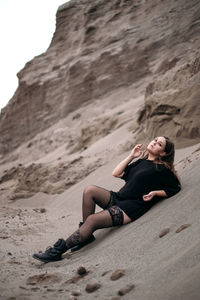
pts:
[168, 159]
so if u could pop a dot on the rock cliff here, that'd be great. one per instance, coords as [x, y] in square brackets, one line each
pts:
[116, 72]
[101, 46]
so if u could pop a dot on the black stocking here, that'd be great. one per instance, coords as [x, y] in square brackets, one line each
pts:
[93, 222]
[93, 195]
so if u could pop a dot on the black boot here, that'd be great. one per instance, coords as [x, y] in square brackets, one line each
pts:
[81, 245]
[52, 253]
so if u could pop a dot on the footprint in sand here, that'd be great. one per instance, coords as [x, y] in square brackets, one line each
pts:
[117, 274]
[182, 227]
[105, 273]
[126, 289]
[45, 278]
[92, 287]
[164, 232]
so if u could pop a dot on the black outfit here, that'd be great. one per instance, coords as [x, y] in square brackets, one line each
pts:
[142, 177]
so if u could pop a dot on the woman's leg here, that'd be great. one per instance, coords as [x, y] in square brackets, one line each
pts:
[113, 216]
[93, 195]
[92, 223]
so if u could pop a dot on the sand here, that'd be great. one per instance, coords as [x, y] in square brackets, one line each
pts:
[159, 267]
[59, 135]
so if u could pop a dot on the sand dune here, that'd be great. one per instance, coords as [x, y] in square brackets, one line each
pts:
[116, 73]
[159, 268]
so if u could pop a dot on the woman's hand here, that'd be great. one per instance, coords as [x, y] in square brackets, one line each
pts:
[119, 170]
[136, 151]
[149, 196]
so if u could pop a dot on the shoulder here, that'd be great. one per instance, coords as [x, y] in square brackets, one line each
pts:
[162, 168]
[135, 163]
[139, 160]
[168, 174]
[132, 165]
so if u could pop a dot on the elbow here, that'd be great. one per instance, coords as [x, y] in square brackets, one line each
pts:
[117, 175]
[114, 174]
[177, 189]
[173, 192]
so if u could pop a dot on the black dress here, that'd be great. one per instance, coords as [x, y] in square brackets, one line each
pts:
[142, 177]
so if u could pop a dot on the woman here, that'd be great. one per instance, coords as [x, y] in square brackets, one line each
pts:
[147, 180]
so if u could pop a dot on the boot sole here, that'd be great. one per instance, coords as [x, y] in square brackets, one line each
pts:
[44, 260]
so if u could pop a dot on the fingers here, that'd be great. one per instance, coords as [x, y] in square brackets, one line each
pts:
[147, 197]
[138, 146]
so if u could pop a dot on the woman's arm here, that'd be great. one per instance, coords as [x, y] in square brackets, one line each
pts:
[170, 183]
[149, 196]
[170, 186]
[119, 170]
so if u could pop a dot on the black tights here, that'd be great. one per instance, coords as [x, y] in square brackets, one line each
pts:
[92, 221]
[93, 195]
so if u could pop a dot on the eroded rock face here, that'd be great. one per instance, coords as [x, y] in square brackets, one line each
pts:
[91, 54]
[98, 47]
[172, 105]
[48, 179]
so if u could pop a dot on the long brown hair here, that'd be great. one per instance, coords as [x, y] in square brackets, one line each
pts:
[168, 159]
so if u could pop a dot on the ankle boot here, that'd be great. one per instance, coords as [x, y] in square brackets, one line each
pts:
[81, 245]
[52, 253]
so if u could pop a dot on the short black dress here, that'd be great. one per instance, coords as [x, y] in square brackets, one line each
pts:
[142, 177]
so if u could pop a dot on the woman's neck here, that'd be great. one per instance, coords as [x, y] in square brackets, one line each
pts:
[151, 157]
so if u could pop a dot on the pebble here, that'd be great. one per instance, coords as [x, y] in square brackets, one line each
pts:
[182, 227]
[76, 293]
[126, 289]
[82, 271]
[117, 274]
[92, 287]
[164, 232]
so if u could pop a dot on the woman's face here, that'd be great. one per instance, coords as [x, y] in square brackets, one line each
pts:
[157, 146]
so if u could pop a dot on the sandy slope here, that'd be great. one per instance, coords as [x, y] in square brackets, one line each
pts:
[160, 268]
[150, 67]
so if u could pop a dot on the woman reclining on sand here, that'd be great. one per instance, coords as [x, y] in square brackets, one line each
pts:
[147, 180]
